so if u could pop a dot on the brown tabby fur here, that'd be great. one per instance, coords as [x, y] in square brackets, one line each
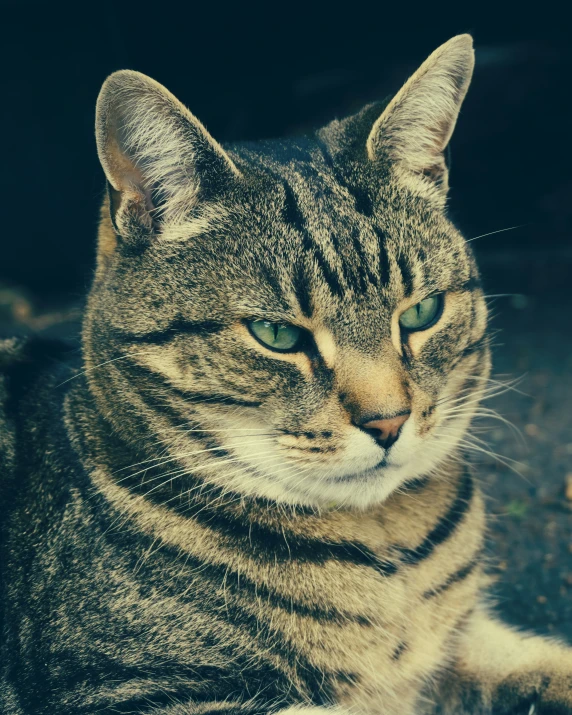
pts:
[194, 523]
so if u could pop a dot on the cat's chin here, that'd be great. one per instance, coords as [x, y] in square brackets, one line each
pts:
[360, 490]
[363, 488]
[361, 477]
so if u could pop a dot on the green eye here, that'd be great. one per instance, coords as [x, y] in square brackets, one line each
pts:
[283, 338]
[422, 315]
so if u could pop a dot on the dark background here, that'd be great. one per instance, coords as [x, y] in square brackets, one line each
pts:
[252, 72]
[249, 72]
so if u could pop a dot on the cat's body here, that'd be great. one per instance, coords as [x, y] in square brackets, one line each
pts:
[298, 607]
[197, 522]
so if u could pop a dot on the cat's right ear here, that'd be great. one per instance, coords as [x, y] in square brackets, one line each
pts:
[159, 160]
[414, 130]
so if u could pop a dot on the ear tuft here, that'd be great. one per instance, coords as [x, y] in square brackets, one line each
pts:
[159, 160]
[416, 126]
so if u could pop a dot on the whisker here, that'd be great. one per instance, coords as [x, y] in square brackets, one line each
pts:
[178, 456]
[96, 367]
[492, 233]
[187, 472]
[464, 443]
[506, 385]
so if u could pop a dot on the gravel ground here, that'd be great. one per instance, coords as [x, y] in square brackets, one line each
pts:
[530, 537]
[531, 502]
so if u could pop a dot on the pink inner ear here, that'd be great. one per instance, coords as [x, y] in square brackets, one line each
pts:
[131, 203]
[126, 175]
[130, 213]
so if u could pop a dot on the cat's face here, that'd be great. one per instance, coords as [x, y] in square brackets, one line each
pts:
[294, 320]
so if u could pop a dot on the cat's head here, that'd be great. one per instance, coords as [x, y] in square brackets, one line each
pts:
[293, 319]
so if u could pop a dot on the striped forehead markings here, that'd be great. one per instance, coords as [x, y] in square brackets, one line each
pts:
[366, 271]
[364, 267]
[341, 274]
[357, 276]
[293, 215]
[363, 204]
[302, 292]
[406, 275]
[382, 255]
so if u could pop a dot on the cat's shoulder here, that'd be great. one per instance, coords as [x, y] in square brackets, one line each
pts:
[12, 351]
[23, 357]
[13, 354]
[26, 365]
[29, 366]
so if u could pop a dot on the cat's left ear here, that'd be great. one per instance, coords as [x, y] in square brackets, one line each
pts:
[160, 161]
[415, 128]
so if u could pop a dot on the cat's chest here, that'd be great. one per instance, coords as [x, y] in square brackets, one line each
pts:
[382, 626]
[348, 609]
[387, 640]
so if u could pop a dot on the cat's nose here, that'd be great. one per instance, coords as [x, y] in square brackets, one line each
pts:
[385, 431]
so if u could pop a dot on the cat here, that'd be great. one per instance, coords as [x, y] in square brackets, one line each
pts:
[249, 494]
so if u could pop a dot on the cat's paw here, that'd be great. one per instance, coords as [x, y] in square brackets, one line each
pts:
[549, 709]
[550, 696]
[549, 706]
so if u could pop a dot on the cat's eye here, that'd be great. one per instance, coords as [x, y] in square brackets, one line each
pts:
[422, 315]
[282, 338]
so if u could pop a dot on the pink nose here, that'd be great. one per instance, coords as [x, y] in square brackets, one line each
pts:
[386, 432]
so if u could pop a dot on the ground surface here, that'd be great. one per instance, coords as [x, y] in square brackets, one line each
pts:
[531, 516]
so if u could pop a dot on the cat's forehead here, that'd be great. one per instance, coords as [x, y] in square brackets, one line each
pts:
[351, 222]
[338, 241]
[299, 184]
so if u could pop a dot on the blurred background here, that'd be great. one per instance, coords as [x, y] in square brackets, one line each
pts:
[254, 72]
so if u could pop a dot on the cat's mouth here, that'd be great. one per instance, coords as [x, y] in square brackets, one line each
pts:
[368, 474]
[304, 468]
[382, 463]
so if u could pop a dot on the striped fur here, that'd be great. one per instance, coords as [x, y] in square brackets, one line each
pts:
[197, 524]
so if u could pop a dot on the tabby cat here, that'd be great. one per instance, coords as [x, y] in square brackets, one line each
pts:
[250, 496]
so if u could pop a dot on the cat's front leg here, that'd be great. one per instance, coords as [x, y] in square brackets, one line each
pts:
[499, 671]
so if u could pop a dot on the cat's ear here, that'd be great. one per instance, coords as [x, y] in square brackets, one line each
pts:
[159, 160]
[416, 126]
